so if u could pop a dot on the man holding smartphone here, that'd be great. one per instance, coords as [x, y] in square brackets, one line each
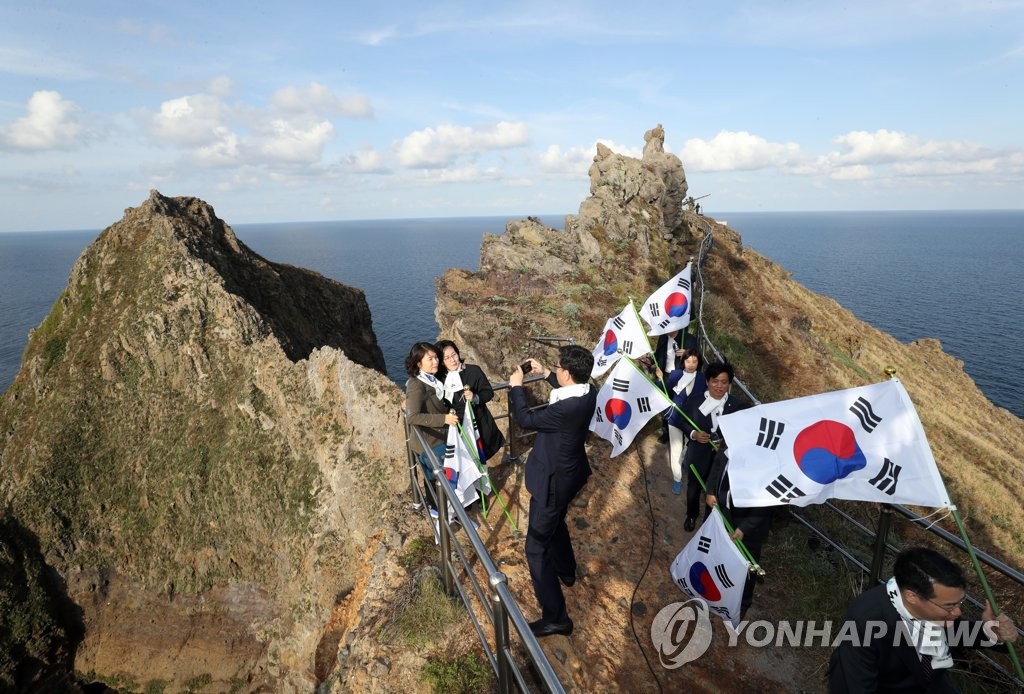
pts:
[556, 471]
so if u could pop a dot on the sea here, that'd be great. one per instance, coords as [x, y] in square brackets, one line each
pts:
[945, 275]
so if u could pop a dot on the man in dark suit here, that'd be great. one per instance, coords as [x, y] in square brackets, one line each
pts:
[902, 642]
[556, 471]
[701, 426]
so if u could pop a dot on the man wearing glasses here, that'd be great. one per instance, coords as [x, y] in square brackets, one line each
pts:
[556, 471]
[903, 630]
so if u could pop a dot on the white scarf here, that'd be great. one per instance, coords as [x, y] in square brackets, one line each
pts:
[685, 381]
[453, 383]
[573, 391]
[929, 638]
[431, 381]
[713, 407]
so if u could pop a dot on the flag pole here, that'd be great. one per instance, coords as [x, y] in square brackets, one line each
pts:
[462, 433]
[739, 543]
[890, 371]
[985, 586]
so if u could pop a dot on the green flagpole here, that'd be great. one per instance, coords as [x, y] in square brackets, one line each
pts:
[476, 459]
[891, 373]
[984, 586]
[739, 543]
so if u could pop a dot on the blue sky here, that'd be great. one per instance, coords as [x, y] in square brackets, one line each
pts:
[317, 111]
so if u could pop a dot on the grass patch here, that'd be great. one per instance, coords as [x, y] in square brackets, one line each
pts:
[466, 674]
[419, 552]
[424, 612]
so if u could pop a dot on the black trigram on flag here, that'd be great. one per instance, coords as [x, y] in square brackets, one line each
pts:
[449, 451]
[888, 477]
[684, 283]
[627, 346]
[723, 576]
[620, 384]
[681, 582]
[861, 408]
[654, 308]
[618, 322]
[704, 544]
[597, 414]
[784, 490]
[769, 433]
[601, 361]
[720, 610]
[618, 435]
[665, 322]
[643, 404]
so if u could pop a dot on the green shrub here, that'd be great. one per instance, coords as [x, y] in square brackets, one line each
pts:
[466, 674]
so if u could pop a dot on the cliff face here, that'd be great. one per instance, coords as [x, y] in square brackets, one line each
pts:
[785, 341]
[194, 441]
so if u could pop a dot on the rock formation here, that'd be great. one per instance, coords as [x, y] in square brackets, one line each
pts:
[629, 237]
[201, 458]
[196, 445]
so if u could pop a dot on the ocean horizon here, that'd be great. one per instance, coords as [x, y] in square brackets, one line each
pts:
[948, 275]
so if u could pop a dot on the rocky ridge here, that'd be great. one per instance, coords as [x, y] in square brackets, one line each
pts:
[194, 443]
[785, 341]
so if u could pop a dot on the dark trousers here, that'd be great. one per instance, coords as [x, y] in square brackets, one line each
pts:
[549, 555]
[693, 488]
[428, 474]
[753, 539]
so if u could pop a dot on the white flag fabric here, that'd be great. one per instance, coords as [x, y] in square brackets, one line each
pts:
[711, 568]
[460, 466]
[625, 403]
[864, 444]
[668, 308]
[623, 334]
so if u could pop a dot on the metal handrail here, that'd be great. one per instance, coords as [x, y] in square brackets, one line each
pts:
[503, 607]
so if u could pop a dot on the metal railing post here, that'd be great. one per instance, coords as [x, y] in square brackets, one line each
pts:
[501, 638]
[445, 532]
[881, 539]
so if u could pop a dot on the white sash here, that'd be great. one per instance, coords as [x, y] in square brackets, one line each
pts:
[929, 638]
[573, 391]
[431, 381]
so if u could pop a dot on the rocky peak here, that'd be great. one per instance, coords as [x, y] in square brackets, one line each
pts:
[195, 443]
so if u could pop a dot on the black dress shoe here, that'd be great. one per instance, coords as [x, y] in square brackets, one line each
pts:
[568, 581]
[542, 628]
[689, 524]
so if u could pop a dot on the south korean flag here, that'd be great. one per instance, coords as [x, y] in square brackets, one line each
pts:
[711, 568]
[625, 403]
[622, 335]
[668, 308]
[864, 444]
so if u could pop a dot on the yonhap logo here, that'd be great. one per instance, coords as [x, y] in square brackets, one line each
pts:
[672, 635]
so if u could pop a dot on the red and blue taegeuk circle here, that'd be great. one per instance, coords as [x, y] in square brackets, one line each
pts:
[827, 451]
[618, 412]
[611, 343]
[676, 304]
[704, 583]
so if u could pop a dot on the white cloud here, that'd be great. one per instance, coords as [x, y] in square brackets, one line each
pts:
[317, 98]
[195, 120]
[222, 152]
[738, 151]
[292, 142]
[51, 122]
[887, 146]
[438, 147]
[365, 160]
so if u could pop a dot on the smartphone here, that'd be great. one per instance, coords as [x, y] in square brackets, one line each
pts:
[526, 366]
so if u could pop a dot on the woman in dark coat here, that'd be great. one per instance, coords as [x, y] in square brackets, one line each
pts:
[464, 382]
[426, 407]
[683, 384]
